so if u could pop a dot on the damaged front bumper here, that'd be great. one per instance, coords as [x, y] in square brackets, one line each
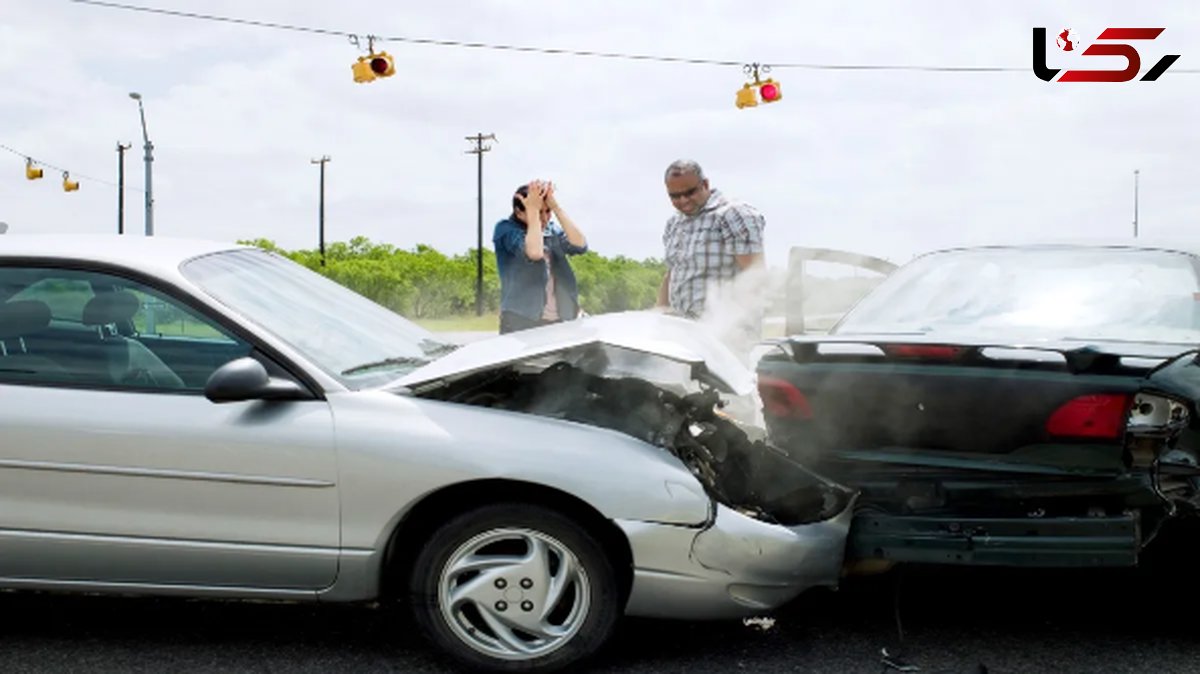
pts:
[736, 566]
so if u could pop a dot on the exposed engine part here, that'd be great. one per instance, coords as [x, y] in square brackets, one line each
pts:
[748, 475]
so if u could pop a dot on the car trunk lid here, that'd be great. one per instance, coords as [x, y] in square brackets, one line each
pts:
[851, 393]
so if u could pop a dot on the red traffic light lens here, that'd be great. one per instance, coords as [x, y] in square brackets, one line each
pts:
[769, 92]
[379, 65]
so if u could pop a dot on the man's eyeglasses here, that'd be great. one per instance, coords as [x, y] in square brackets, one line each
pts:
[686, 194]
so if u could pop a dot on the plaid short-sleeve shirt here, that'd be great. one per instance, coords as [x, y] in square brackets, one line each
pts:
[700, 249]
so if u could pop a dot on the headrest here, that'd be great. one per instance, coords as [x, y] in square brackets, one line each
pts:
[23, 317]
[110, 307]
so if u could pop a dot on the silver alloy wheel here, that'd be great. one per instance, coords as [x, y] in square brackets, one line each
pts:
[514, 593]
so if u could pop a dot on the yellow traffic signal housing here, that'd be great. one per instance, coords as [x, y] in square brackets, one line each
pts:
[68, 184]
[382, 64]
[362, 70]
[32, 173]
[747, 96]
[751, 93]
[373, 66]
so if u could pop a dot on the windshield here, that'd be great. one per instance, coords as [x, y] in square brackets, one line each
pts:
[355, 340]
[1044, 293]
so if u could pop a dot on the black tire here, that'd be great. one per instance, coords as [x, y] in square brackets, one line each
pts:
[589, 610]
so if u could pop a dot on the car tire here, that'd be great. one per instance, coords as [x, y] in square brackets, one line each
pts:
[514, 587]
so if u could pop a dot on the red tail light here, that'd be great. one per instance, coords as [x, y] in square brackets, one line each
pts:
[782, 399]
[1090, 416]
[930, 351]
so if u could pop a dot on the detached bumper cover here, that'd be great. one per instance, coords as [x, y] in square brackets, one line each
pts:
[737, 566]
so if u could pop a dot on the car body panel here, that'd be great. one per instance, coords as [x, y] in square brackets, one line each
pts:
[167, 488]
[949, 407]
[406, 447]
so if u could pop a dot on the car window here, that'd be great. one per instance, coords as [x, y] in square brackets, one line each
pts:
[65, 297]
[90, 329]
[1051, 292]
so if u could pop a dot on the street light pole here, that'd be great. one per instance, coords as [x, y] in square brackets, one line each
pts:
[121, 147]
[321, 217]
[149, 147]
[478, 150]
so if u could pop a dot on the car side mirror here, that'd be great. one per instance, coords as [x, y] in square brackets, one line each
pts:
[247, 379]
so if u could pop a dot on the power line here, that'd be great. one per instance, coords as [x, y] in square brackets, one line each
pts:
[73, 174]
[404, 39]
[211, 17]
[554, 50]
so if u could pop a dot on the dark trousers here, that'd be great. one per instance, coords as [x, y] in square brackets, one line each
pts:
[510, 322]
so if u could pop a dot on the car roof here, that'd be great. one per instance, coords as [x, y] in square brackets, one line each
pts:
[151, 254]
[1189, 247]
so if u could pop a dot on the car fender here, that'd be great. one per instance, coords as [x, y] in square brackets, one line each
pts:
[395, 449]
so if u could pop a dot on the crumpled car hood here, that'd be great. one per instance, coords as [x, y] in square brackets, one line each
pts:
[619, 344]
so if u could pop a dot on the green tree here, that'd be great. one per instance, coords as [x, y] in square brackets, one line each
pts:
[425, 283]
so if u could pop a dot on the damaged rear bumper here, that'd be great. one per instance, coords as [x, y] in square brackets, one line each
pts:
[1108, 541]
[735, 567]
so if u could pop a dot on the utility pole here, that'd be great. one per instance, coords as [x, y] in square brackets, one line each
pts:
[1135, 203]
[321, 218]
[149, 159]
[478, 150]
[121, 147]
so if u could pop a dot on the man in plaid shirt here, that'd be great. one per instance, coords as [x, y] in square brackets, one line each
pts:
[709, 242]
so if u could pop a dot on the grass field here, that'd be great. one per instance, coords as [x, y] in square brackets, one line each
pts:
[469, 323]
[772, 327]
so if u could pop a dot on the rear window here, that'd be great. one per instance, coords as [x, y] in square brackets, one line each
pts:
[1047, 293]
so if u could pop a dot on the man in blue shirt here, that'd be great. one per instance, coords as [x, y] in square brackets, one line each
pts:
[537, 284]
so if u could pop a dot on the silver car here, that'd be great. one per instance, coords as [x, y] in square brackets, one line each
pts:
[212, 420]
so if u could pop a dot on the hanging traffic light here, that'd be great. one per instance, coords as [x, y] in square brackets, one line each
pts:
[374, 65]
[68, 184]
[768, 90]
[32, 173]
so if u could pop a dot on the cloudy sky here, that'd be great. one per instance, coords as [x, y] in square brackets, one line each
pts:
[886, 163]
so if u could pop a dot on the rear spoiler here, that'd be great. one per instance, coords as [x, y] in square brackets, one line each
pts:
[1087, 359]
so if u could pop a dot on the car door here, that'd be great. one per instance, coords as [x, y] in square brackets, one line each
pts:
[116, 470]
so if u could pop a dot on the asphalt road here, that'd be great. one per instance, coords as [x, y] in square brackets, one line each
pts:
[952, 620]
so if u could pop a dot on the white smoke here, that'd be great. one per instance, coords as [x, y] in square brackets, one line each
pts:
[734, 310]
[733, 313]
